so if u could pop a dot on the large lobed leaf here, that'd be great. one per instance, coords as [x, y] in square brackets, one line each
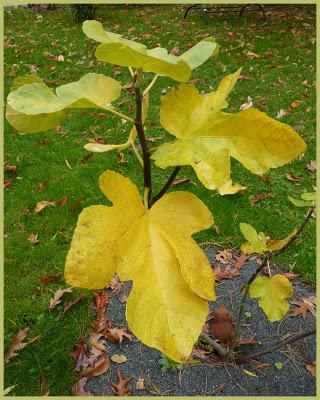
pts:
[272, 292]
[208, 137]
[33, 107]
[114, 49]
[172, 278]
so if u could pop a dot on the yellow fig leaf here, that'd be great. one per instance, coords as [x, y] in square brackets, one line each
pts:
[115, 49]
[172, 278]
[272, 292]
[257, 243]
[101, 148]
[230, 187]
[208, 137]
[89, 91]
[31, 123]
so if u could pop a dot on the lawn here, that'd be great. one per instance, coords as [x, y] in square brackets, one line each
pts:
[52, 165]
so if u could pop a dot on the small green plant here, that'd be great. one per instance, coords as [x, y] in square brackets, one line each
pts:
[148, 238]
[169, 365]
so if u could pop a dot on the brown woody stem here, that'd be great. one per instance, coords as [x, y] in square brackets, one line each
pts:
[271, 349]
[167, 184]
[254, 275]
[219, 349]
[143, 142]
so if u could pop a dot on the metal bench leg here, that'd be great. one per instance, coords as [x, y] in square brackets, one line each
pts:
[189, 8]
[258, 5]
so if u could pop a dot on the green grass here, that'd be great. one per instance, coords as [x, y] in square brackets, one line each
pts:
[287, 55]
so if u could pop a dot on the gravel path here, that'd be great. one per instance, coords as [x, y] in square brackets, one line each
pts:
[292, 379]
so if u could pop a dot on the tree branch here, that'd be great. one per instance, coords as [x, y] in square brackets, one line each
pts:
[143, 142]
[219, 349]
[277, 346]
[254, 275]
[167, 184]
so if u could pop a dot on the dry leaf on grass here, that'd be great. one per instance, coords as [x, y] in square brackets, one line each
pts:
[73, 303]
[80, 354]
[293, 178]
[16, 345]
[312, 368]
[121, 388]
[179, 181]
[251, 55]
[57, 298]
[78, 388]
[43, 204]
[312, 166]
[46, 279]
[33, 238]
[98, 368]
[261, 196]
[62, 201]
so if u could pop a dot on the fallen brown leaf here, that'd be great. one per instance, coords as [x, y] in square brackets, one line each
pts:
[304, 305]
[200, 353]
[33, 238]
[76, 203]
[261, 196]
[73, 303]
[46, 279]
[79, 354]
[293, 178]
[41, 186]
[222, 328]
[225, 273]
[86, 158]
[122, 158]
[78, 388]
[117, 334]
[57, 298]
[16, 345]
[312, 368]
[99, 367]
[265, 178]
[121, 388]
[7, 182]
[290, 275]
[251, 55]
[296, 104]
[240, 261]
[10, 168]
[140, 384]
[223, 256]
[43, 204]
[62, 201]
[115, 284]
[250, 340]
[312, 166]
[101, 300]
[179, 181]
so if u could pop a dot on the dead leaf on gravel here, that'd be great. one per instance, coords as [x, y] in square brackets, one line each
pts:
[117, 334]
[57, 298]
[43, 204]
[222, 328]
[73, 303]
[312, 166]
[101, 300]
[16, 345]
[304, 305]
[33, 238]
[121, 388]
[223, 256]
[179, 181]
[225, 273]
[140, 384]
[119, 358]
[123, 298]
[250, 340]
[240, 261]
[46, 279]
[290, 275]
[115, 284]
[312, 368]
[100, 367]
[293, 178]
[78, 388]
[200, 353]
[261, 196]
